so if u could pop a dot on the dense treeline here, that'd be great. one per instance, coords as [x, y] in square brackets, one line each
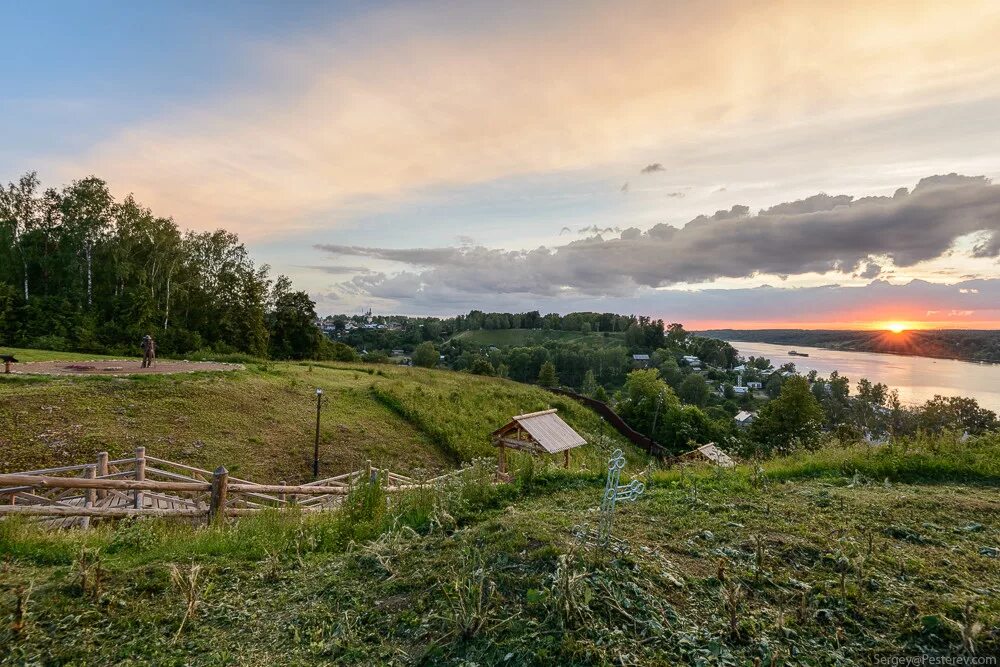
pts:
[83, 271]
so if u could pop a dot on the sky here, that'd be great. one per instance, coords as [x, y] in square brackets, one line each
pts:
[743, 164]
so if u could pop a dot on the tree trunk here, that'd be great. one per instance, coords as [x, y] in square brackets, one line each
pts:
[24, 263]
[166, 308]
[90, 276]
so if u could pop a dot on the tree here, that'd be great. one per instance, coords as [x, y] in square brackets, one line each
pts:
[547, 375]
[426, 355]
[957, 413]
[791, 421]
[589, 383]
[694, 390]
[482, 366]
[292, 323]
[19, 215]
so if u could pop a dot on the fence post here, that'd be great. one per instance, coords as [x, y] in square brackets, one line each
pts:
[90, 472]
[281, 496]
[368, 471]
[140, 474]
[220, 487]
[102, 471]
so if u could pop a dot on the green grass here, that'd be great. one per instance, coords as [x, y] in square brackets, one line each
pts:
[260, 422]
[829, 557]
[25, 355]
[829, 571]
[460, 411]
[523, 337]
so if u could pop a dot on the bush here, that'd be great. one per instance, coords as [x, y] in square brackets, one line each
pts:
[426, 355]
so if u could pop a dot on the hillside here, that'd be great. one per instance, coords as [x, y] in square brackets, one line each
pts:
[831, 558]
[522, 337]
[966, 345]
[260, 422]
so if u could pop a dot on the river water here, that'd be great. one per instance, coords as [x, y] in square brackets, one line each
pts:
[916, 378]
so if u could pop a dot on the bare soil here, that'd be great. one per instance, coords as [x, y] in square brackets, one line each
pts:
[118, 367]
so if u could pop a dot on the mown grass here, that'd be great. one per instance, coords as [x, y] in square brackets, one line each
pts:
[808, 571]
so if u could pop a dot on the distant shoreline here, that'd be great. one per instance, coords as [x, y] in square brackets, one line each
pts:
[972, 346]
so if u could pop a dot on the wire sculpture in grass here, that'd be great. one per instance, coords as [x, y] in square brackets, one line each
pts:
[613, 494]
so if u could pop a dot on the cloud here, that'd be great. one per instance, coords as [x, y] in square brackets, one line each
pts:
[404, 99]
[818, 234]
[337, 269]
[678, 195]
[871, 270]
[651, 168]
[829, 305]
[594, 229]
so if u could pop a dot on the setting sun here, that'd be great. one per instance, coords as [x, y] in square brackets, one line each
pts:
[896, 327]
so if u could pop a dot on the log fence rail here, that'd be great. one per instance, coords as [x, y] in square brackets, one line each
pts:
[146, 485]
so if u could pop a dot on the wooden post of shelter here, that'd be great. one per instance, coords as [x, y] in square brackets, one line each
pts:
[102, 471]
[90, 496]
[140, 474]
[220, 488]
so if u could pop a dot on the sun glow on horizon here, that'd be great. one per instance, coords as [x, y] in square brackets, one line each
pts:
[900, 326]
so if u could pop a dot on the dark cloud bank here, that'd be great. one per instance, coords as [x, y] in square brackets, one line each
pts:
[819, 234]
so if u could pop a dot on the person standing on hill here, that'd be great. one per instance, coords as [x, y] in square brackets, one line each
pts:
[148, 346]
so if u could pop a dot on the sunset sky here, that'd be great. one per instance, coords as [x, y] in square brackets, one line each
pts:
[745, 164]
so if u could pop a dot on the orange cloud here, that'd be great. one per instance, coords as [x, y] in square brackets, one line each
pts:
[405, 100]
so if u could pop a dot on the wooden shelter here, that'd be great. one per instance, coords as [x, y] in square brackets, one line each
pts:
[536, 433]
[709, 453]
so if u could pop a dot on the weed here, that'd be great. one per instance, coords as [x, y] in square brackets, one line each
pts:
[471, 597]
[187, 582]
[733, 597]
[968, 629]
[19, 622]
[570, 592]
[87, 573]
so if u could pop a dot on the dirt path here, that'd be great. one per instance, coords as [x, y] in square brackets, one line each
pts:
[118, 367]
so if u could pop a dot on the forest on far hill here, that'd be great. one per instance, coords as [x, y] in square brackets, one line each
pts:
[963, 344]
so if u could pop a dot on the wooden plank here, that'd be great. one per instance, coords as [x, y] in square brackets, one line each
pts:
[108, 512]
[43, 471]
[46, 482]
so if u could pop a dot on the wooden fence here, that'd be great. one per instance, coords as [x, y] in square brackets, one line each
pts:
[149, 486]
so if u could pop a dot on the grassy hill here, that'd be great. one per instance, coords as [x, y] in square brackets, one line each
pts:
[260, 422]
[830, 557]
[521, 337]
[833, 558]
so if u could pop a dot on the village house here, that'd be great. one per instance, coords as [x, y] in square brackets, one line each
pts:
[709, 453]
[692, 360]
[640, 360]
[744, 418]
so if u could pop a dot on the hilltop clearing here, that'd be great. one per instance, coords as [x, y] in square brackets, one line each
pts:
[260, 421]
[521, 337]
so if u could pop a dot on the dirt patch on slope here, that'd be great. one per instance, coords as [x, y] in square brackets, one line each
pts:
[119, 367]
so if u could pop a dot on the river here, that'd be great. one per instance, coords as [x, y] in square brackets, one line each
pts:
[916, 378]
